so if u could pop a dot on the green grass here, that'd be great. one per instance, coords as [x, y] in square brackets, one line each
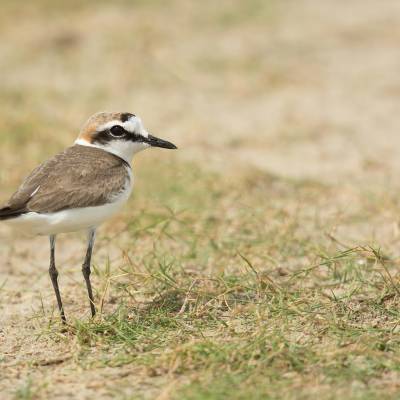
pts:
[230, 290]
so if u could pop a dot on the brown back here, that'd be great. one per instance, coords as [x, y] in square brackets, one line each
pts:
[80, 176]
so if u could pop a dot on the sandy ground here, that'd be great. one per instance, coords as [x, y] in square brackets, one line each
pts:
[310, 94]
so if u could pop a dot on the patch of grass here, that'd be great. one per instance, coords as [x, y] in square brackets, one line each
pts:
[229, 304]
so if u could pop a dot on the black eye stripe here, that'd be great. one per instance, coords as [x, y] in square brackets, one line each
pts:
[116, 132]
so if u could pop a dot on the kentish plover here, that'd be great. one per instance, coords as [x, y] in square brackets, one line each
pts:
[82, 186]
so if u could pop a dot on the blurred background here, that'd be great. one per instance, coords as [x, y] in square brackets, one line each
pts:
[286, 115]
[298, 88]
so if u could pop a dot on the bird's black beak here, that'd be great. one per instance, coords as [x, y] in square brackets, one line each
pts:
[156, 142]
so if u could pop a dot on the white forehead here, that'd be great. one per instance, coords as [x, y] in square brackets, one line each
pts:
[133, 125]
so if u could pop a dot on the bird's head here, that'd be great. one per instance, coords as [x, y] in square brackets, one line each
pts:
[119, 133]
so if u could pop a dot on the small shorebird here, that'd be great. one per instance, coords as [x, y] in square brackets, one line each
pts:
[82, 186]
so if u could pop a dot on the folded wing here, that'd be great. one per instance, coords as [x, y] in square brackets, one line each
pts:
[78, 177]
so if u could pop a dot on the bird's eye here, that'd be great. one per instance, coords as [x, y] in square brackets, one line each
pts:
[117, 131]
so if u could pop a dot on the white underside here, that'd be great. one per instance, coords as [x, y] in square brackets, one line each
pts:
[63, 221]
[68, 220]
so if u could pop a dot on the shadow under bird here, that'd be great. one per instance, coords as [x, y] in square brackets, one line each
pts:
[82, 186]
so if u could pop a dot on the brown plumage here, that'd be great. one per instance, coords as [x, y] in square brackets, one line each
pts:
[80, 176]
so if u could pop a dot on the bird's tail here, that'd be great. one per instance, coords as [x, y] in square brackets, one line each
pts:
[9, 213]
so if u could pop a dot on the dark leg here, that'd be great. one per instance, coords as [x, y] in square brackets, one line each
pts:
[86, 269]
[54, 275]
